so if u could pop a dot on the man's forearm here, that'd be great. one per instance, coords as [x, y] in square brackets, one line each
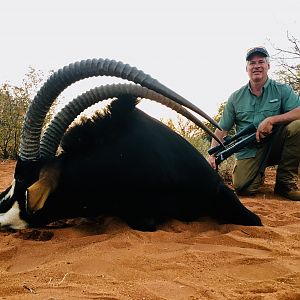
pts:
[286, 117]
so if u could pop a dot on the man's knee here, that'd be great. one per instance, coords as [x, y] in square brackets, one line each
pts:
[244, 178]
[293, 128]
[246, 187]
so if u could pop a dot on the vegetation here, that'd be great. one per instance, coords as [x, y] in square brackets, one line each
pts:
[289, 64]
[14, 101]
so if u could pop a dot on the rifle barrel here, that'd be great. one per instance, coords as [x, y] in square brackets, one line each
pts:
[222, 155]
[230, 139]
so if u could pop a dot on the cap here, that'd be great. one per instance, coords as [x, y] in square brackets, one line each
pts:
[257, 50]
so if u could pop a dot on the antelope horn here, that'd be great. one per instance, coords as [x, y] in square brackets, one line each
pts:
[60, 80]
[56, 129]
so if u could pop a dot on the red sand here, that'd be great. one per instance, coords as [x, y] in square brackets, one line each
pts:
[106, 259]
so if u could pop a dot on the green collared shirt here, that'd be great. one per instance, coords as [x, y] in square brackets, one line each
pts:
[244, 108]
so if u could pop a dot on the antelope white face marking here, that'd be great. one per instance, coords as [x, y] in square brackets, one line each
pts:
[10, 193]
[12, 219]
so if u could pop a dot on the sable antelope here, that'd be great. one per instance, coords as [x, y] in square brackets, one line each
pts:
[122, 162]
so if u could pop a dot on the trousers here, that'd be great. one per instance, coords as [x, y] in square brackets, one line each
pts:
[282, 150]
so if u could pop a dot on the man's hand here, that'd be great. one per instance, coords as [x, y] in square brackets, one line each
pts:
[265, 128]
[212, 161]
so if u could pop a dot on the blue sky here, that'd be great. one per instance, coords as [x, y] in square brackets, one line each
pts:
[197, 48]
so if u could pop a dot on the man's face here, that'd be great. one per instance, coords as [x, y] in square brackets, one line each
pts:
[257, 68]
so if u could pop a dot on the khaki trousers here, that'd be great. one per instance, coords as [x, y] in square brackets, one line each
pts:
[282, 150]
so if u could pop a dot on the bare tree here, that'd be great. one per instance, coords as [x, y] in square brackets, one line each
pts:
[289, 63]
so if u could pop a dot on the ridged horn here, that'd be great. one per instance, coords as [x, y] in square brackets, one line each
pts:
[56, 129]
[64, 77]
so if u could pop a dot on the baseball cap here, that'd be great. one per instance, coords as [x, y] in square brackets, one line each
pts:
[257, 50]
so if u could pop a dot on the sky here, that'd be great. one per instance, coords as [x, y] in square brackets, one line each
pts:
[196, 48]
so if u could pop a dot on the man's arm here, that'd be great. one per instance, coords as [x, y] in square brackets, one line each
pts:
[266, 126]
[211, 158]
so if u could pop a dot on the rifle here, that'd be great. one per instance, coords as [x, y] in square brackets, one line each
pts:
[234, 143]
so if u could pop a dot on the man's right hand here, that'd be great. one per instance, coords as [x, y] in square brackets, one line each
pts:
[211, 158]
[212, 161]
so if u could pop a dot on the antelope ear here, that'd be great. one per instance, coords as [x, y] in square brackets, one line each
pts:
[37, 195]
[38, 192]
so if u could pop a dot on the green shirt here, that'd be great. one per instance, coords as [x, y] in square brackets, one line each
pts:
[244, 108]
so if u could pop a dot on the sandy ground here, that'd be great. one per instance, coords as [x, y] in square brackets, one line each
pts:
[105, 259]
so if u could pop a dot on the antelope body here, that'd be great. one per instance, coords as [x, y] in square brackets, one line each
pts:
[122, 163]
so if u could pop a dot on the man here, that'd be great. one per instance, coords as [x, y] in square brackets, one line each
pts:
[272, 107]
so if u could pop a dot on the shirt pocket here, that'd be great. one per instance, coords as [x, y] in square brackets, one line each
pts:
[271, 108]
[245, 115]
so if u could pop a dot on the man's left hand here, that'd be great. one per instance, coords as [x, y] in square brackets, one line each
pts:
[265, 128]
